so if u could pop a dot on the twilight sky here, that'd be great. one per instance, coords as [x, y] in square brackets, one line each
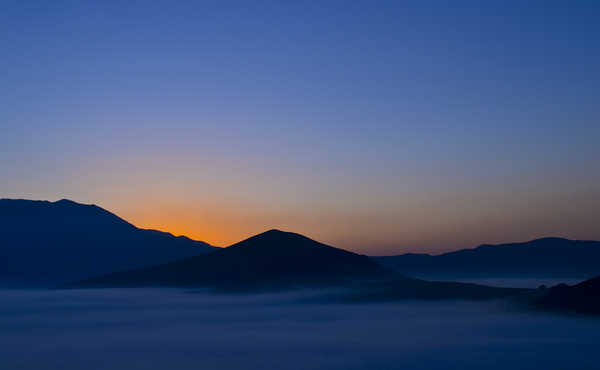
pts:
[379, 127]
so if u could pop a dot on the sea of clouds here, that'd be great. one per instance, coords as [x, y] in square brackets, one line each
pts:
[175, 329]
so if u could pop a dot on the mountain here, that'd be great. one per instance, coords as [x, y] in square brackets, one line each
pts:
[282, 260]
[546, 257]
[271, 258]
[42, 243]
[582, 298]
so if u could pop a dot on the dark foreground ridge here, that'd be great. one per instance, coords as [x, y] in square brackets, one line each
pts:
[283, 260]
[46, 243]
[582, 298]
[271, 258]
[548, 257]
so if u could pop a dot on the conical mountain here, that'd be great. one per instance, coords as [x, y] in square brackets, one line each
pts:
[269, 259]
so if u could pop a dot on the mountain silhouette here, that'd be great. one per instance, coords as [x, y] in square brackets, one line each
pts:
[43, 242]
[283, 260]
[271, 258]
[546, 257]
[582, 298]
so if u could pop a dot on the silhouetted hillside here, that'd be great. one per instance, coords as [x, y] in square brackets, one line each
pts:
[271, 258]
[582, 298]
[549, 257]
[45, 242]
[277, 259]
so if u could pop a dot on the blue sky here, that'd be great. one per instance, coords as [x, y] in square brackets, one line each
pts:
[375, 126]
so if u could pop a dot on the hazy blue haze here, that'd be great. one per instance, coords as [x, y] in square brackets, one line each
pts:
[157, 329]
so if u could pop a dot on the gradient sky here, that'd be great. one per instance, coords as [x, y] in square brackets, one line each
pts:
[379, 127]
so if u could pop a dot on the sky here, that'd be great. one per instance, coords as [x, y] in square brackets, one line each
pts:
[381, 127]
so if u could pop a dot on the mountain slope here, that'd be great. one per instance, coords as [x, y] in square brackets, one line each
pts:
[281, 260]
[45, 242]
[548, 257]
[271, 258]
[582, 298]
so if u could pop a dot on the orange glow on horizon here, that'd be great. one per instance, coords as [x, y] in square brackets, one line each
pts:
[193, 226]
[413, 226]
[217, 238]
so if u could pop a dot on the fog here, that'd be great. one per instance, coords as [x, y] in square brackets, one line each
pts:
[507, 282]
[175, 329]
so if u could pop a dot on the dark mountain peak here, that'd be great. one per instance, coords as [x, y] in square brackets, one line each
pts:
[64, 240]
[274, 231]
[284, 244]
[42, 203]
[66, 201]
[271, 258]
[270, 235]
[43, 218]
[548, 241]
[275, 235]
[65, 214]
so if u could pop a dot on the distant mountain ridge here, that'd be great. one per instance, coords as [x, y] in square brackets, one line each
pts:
[44, 242]
[42, 216]
[548, 257]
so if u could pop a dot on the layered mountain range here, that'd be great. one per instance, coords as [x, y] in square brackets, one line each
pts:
[545, 257]
[74, 245]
